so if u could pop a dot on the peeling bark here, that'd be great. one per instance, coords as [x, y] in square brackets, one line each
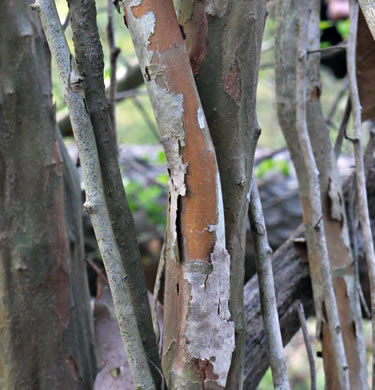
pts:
[334, 216]
[197, 263]
[224, 42]
[46, 332]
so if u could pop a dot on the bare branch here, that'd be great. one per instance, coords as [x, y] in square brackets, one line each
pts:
[336, 102]
[312, 211]
[342, 130]
[360, 169]
[95, 203]
[306, 337]
[263, 257]
[113, 53]
[328, 49]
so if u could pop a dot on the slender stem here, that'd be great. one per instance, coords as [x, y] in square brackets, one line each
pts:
[336, 102]
[306, 338]
[331, 48]
[113, 53]
[263, 258]
[95, 203]
[312, 207]
[342, 130]
[146, 118]
[359, 167]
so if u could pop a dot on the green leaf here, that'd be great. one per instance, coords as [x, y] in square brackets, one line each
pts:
[162, 179]
[343, 28]
[161, 159]
[324, 24]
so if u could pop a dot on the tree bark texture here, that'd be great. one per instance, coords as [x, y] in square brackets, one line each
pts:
[90, 62]
[95, 204]
[224, 43]
[198, 338]
[292, 282]
[133, 79]
[368, 10]
[46, 327]
[364, 216]
[334, 217]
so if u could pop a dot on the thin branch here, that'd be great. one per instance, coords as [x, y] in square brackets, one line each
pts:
[98, 271]
[159, 274]
[312, 209]
[328, 49]
[343, 126]
[95, 203]
[370, 149]
[336, 102]
[120, 96]
[306, 338]
[66, 21]
[133, 79]
[146, 118]
[263, 258]
[359, 166]
[113, 52]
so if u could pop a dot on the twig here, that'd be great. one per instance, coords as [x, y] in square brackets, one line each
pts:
[306, 337]
[310, 194]
[159, 273]
[266, 65]
[114, 52]
[66, 21]
[263, 258]
[370, 149]
[342, 130]
[359, 166]
[120, 96]
[326, 49]
[146, 118]
[336, 102]
[98, 271]
[95, 204]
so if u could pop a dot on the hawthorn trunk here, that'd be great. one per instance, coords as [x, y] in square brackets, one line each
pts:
[46, 325]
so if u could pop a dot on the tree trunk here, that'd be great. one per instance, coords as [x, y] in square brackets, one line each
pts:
[224, 42]
[292, 285]
[90, 62]
[46, 326]
[334, 216]
[198, 336]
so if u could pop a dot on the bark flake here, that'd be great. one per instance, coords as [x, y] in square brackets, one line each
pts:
[210, 333]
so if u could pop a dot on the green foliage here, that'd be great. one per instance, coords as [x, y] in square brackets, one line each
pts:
[269, 166]
[161, 158]
[343, 28]
[324, 24]
[148, 199]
